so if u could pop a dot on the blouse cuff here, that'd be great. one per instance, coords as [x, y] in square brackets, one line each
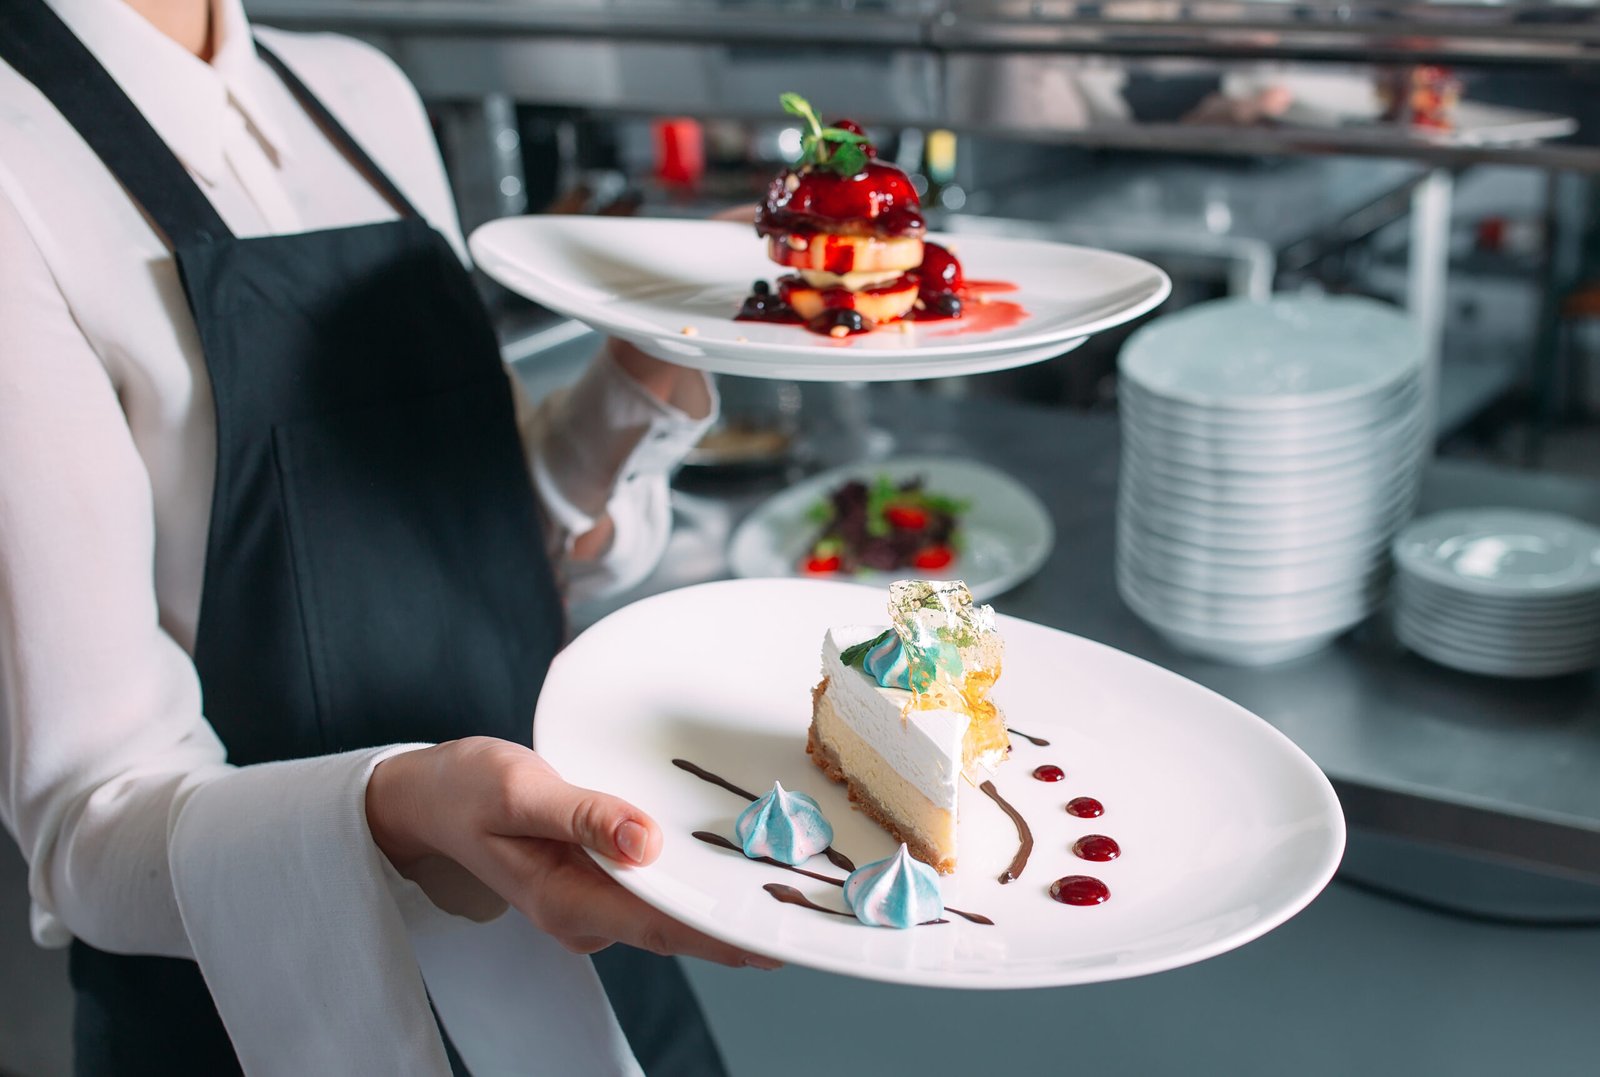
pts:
[278, 883]
[607, 431]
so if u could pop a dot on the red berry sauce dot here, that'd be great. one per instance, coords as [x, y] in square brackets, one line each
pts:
[1096, 847]
[1085, 808]
[1079, 890]
[1049, 773]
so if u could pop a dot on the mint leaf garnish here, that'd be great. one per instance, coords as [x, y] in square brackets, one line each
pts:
[795, 105]
[832, 148]
[856, 656]
[847, 158]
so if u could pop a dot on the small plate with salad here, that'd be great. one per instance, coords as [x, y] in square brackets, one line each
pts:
[929, 517]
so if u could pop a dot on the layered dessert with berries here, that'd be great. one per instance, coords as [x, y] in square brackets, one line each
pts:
[850, 230]
[902, 716]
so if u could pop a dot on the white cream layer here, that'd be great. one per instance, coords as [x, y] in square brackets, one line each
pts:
[924, 747]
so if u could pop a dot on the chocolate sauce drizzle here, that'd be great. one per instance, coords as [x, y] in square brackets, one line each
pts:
[790, 896]
[706, 776]
[1040, 741]
[835, 857]
[1024, 835]
[723, 843]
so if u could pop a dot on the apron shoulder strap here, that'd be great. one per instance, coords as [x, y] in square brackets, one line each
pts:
[336, 133]
[44, 50]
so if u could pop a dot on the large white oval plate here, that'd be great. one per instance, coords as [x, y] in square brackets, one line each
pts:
[673, 286]
[1227, 829]
[1007, 532]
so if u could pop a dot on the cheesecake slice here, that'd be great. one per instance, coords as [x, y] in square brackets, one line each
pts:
[900, 715]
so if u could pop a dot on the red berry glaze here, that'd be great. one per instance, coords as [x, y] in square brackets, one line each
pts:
[1049, 773]
[940, 285]
[878, 200]
[939, 272]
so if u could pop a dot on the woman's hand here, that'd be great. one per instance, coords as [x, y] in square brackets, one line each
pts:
[666, 381]
[505, 815]
[669, 383]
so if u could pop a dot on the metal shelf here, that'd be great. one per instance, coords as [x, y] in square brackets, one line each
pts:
[934, 62]
[1511, 33]
[1514, 33]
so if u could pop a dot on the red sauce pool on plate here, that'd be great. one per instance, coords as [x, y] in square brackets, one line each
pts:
[979, 316]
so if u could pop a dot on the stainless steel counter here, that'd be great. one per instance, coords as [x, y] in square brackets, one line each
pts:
[1502, 768]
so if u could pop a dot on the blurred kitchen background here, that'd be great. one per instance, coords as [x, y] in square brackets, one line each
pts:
[1247, 148]
[1441, 157]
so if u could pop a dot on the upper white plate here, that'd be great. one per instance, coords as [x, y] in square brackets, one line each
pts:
[1226, 828]
[1008, 532]
[672, 287]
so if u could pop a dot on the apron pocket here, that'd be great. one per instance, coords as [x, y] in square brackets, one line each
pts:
[419, 568]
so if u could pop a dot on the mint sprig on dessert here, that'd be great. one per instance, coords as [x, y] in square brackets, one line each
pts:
[856, 655]
[832, 148]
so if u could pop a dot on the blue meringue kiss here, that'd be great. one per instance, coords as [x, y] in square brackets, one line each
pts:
[785, 826]
[900, 891]
[886, 662]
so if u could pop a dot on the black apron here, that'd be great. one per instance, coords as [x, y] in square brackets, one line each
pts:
[375, 569]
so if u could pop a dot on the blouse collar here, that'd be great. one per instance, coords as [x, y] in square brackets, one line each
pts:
[186, 99]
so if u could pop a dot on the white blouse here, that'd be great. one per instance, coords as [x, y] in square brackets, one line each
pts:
[138, 835]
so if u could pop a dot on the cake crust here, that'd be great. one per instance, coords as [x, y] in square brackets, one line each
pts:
[828, 762]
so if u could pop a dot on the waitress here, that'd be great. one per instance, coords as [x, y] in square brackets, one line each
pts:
[279, 549]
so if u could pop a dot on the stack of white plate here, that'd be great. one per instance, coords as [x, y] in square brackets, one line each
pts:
[1270, 453]
[1503, 592]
